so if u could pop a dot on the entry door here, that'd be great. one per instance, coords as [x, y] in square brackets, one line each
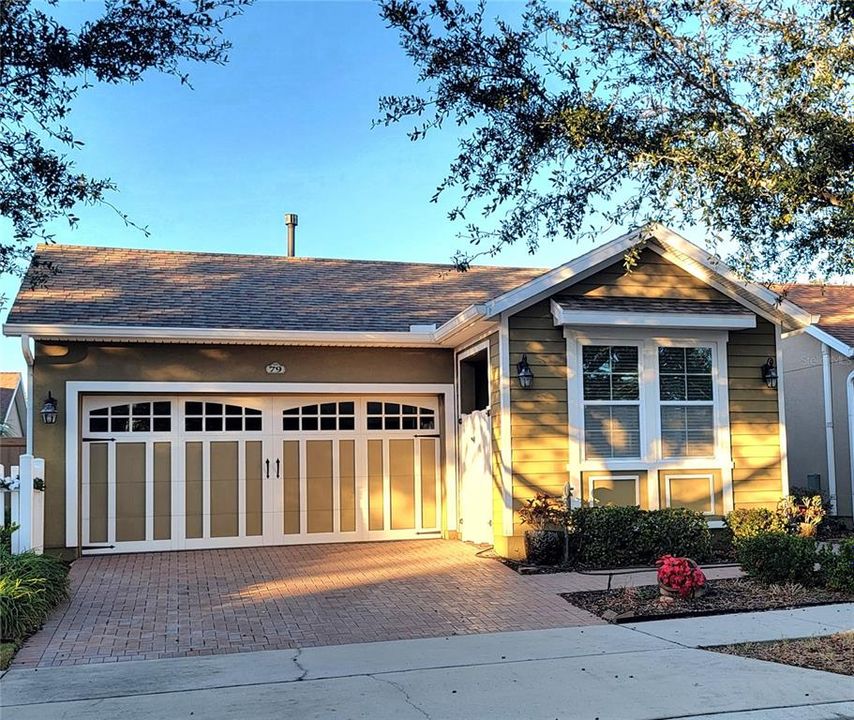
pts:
[356, 468]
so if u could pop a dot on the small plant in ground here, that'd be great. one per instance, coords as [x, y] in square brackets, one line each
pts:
[680, 575]
[778, 558]
[544, 512]
[838, 567]
[750, 522]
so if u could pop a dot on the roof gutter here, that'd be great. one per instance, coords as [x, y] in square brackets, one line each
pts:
[222, 335]
[27, 350]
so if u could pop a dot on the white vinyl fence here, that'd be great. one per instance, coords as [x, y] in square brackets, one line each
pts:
[23, 494]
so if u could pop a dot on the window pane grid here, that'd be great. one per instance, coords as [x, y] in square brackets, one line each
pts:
[132, 417]
[206, 416]
[318, 417]
[399, 416]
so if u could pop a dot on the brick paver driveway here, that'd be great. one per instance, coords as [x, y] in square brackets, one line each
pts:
[154, 605]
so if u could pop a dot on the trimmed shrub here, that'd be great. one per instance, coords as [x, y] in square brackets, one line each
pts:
[618, 536]
[607, 536]
[838, 567]
[30, 587]
[778, 558]
[675, 531]
[750, 522]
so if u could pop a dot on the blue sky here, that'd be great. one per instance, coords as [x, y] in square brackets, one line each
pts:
[285, 126]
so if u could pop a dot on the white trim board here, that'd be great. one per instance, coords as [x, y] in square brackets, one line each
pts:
[74, 389]
[610, 318]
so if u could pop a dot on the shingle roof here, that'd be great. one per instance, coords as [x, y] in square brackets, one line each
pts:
[649, 305]
[155, 288]
[834, 303]
[8, 382]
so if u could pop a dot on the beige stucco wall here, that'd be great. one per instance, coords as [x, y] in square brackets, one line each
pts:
[805, 427]
[58, 363]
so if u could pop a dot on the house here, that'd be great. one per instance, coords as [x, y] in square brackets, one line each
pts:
[208, 400]
[13, 404]
[819, 377]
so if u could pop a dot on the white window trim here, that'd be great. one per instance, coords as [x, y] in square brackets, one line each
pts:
[592, 478]
[691, 476]
[650, 421]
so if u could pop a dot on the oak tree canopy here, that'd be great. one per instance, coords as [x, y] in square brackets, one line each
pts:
[732, 115]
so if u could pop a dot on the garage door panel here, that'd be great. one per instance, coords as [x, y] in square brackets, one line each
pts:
[429, 478]
[402, 484]
[291, 486]
[347, 485]
[319, 484]
[224, 519]
[193, 494]
[254, 452]
[162, 491]
[130, 492]
[376, 480]
[98, 467]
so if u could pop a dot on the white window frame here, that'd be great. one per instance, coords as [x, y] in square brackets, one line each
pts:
[651, 459]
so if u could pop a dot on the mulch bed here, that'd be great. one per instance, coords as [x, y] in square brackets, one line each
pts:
[833, 653]
[636, 604]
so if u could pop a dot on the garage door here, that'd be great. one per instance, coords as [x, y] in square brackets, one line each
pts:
[189, 472]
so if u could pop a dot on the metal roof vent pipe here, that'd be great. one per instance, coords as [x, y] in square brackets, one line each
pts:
[291, 221]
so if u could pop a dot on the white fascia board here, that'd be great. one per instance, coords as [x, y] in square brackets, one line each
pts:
[705, 321]
[718, 267]
[459, 322]
[565, 273]
[223, 335]
[829, 340]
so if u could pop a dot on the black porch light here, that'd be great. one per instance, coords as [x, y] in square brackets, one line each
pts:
[49, 410]
[769, 373]
[524, 373]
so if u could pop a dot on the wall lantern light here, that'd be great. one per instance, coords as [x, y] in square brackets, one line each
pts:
[49, 410]
[769, 373]
[524, 373]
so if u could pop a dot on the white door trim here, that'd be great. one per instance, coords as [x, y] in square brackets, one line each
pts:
[74, 389]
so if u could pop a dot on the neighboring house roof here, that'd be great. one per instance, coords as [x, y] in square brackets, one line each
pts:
[834, 304]
[167, 296]
[10, 385]
[99, 286]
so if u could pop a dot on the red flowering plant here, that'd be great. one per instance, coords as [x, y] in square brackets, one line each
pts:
[680, 575]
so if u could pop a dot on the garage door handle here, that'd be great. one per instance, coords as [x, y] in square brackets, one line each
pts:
[268, 468]
[428, 435]
[277, 467]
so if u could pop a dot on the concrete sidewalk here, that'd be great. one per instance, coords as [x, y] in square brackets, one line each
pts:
[604, 672]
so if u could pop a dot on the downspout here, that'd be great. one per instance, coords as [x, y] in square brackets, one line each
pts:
[850, 384]
[828, 425]
[28, 358]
